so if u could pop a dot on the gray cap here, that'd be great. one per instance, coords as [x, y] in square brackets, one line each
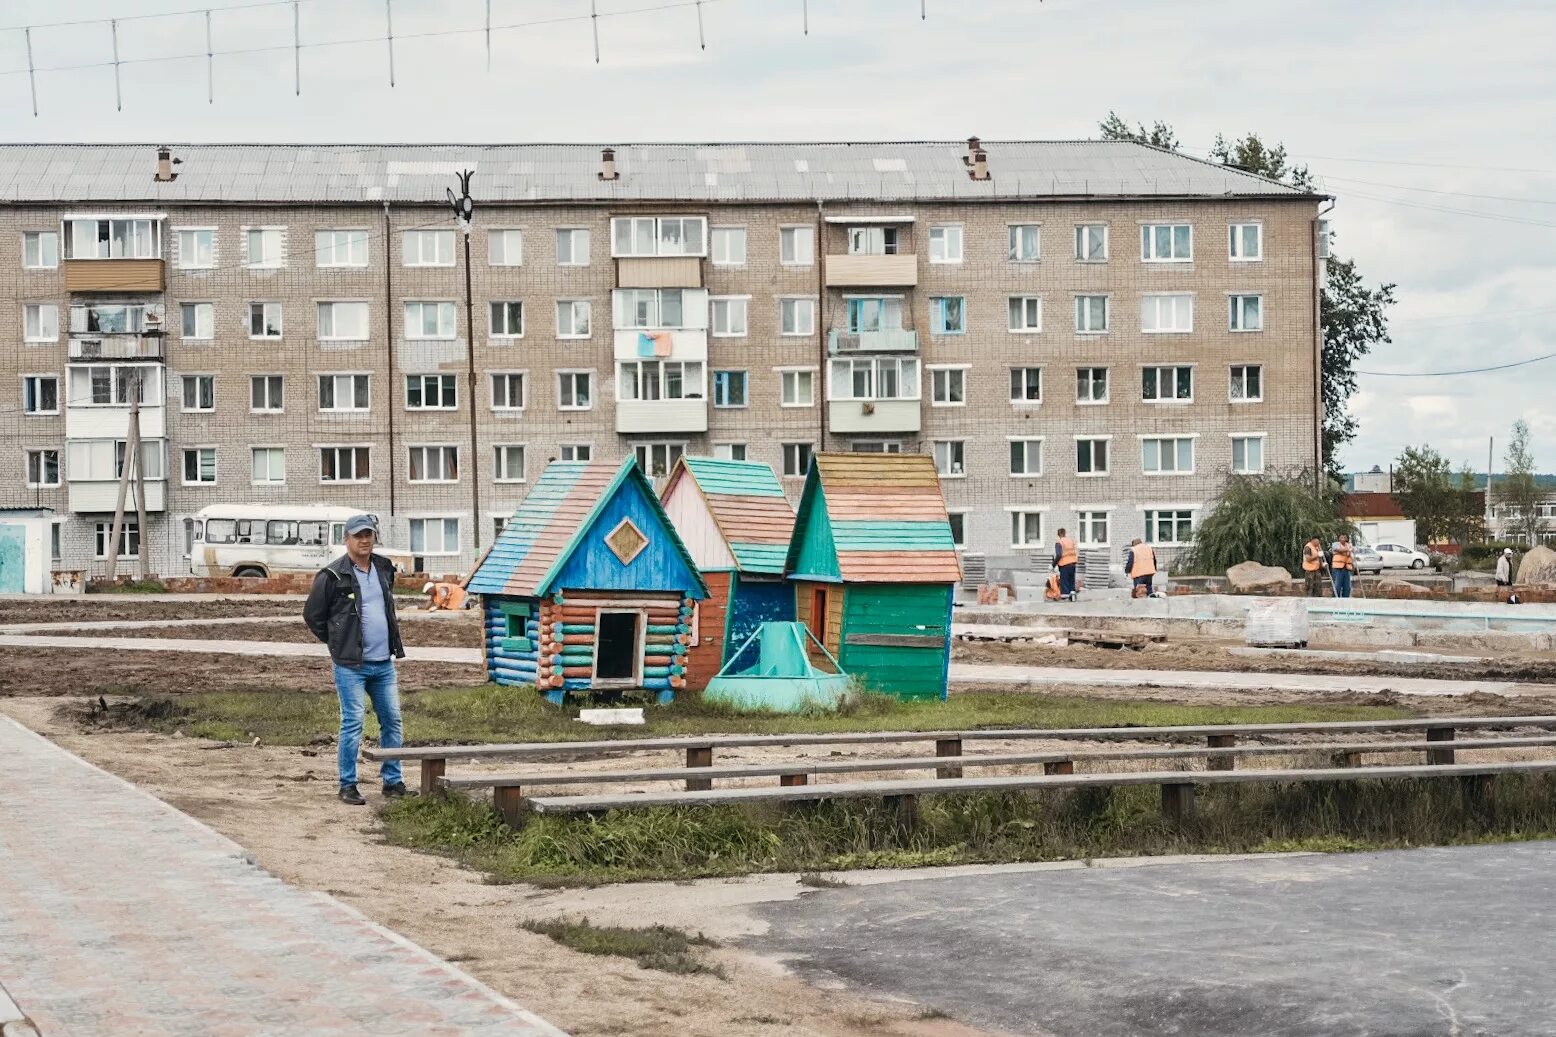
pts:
[357, 523]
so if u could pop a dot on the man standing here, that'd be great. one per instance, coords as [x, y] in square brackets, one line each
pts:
[1140, 566]
[1312, 565]
[1505, 568]
[1342, 566]
[351, 609]
[1066, 555]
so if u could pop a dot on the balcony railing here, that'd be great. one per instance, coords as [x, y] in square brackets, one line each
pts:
[854, 271]
[116, 347]
[894, 340]
[114, 275]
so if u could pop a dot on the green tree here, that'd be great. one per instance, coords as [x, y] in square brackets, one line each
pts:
[1264, 520]
[1469, 525]
[1518, 490]
[1352, 316]
[1427, 491]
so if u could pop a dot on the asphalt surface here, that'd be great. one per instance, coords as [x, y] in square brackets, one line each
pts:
[1457, 942]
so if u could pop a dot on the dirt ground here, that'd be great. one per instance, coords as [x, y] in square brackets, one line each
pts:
[108, 606]
[439, 632]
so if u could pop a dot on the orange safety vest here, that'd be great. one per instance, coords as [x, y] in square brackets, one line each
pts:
[1143, 562]
[450, 596]
[1312, 560]
[1067, 552]
[1341, 558]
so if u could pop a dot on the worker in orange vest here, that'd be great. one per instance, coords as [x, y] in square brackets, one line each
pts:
[1066, 555]
[446, 596]
[1342, 566]
[1313, 564]
[1140, 566]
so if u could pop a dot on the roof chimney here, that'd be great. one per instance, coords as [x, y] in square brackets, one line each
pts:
[165, 161]
[972, 150]
[980, 165]
[608, 165]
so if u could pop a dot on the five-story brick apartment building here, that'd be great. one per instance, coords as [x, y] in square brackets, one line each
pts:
[1083, 334]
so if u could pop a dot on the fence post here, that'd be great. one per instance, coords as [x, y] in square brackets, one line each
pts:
[1178, 802]
[699, 756]
[1059, 767]
[791, 780]
[509, 801]
[906, 810]
[1224, 762]
[948, 747]
[1439, 734]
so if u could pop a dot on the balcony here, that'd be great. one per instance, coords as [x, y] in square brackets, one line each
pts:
[116, 347]
[114, 275]
[893, 340]
[873, 416]
[634, 416]
[659, 272]
[685, 344]
[854, 271]
[101, 496]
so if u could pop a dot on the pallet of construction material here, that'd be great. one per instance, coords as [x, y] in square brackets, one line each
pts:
[1007, 634]
[1113, 639]
[1276, 623]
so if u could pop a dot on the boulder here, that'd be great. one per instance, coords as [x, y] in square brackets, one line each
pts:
[1538, 566]
[1253, 578]
[1403, 589]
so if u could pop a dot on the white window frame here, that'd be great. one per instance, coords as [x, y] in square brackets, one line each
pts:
[1019, 540]
[1160, 370]
[876, 365]
[507, 376]
[38, 237]
[503, 234]
[199, 452]
[264, 312]
[673, 450]
[1155, 300]
[802, 238]
[443, 551]
[565, 375]
[1151, 516]
[421, 237]
[507, 333]
[657, 238]
[269, 452]
[1260, 438]
[1237, 312]
[938, 325]
[574, 307]
[1086, 519]
[1085, 314]
[784, 374]
[1026, 456]
[573, 234]
[184, 253]
[331, 242]
[808, 455]
[1231, 379]
[1095, 473]
[282, 391]
[951, 239]
[725, 450]
[1107, 387]
[444, 452]
[1149, 244]
[1016, 238]
[656, 372]
[564, 449]
[1081, 230]
[421, 305]
[327, 306]
[502, 470]
[41, 453]
[730, 307]
[446, 389]
[1023, 303]
[152, 237]
[797, 306]
[335, 393]
[950, 463]
[367, 449]
[1188, 437]
[183, 394]
[935, 371]
[1234, 250]
[209, 309]
[268, 236]
[39, 309]
[1023, 400]
[731, 233]
[37, 380]
[745, 388]
[957, 521]
[129, 540]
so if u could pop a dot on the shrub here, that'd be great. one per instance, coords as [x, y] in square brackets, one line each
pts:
[1484, 556]
[1265, 521]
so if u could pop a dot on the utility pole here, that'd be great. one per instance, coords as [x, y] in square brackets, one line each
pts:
[140, 483]
[464, 211]
[1491, 442]
[131, 457]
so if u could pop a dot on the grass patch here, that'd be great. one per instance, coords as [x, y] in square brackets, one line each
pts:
[652, 947]
[815, 880]
[492, 713]
[972, 828]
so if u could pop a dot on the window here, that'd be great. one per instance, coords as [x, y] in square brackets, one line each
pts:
[572, 246]
[874, 378]
[1167, 456]
[268, 465]
[947, 387]
[658, 236]
[876, 446]
[1091, 528]
[340, 248]
[1169, 528]
[1091, 456]
[42, 468]
[40, 394]
[729, 246]
[1026, 529]
[797, 316]
[1026, 385]
[200, 466]
[199, 392]
[727, 317]
[197, 320]
[729, 451]
[658, 308]
[103, 386]
[1026, 242]
[945, 244]
[129, 539]
[434, 536]
[1026, 313]
[1247, 383]
[874, 313]
[1166, 383]
[873, 241]
[797, 246]
[1091, 313]
[1248, 454]
[264, 320]
[573, 318]
[948, 314]
[265, 247]
[429, 320]
[574, 390]
[1166, 313]
[1245, 242]
[950, 458]
[1091, 385]
[431, 391]
[508, 391]
[108, 318]
[1166, 242]
[577, 451]
[507, 320]
[796, 459]
[343, 464]
[504, 247]
[40, 250]
[797, 388]
[658, 458]
[433, 464]
[428, 248]
[508, 462]
[649, 380]
[265, 393]
[1026, 458]
[1247, 312]
[196, 248]
[1091, 243]
[113, 239]
[342, 321]
[958, 523]
[344, 392]
[40, 322]
[729, 388]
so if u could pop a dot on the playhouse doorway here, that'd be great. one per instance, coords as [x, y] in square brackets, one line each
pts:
[617, 650]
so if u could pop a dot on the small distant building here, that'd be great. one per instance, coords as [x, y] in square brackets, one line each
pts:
[588, 587]
[1375, 481]
[27, 539]
[736, 524]
[874, 566]
[1378, 519]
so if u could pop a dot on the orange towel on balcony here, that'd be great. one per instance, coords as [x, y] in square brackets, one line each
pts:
[662, 343]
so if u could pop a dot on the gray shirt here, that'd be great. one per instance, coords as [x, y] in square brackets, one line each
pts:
[375, 623]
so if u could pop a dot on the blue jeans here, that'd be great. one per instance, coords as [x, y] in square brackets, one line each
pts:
[377, 681]
[1066, 580]
[1342, 582]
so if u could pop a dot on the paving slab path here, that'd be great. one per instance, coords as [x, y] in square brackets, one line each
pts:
[122, 917]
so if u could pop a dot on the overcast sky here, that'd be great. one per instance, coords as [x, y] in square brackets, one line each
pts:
[1405, 110]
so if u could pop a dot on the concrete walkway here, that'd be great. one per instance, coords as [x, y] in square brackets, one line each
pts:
[174, 644]
[121, 917]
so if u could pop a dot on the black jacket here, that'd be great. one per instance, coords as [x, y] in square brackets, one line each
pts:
[334, 614]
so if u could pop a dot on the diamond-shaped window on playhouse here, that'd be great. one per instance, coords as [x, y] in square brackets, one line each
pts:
[626, 541]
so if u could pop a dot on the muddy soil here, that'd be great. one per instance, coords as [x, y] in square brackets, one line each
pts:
[106, 607]
[421, 633]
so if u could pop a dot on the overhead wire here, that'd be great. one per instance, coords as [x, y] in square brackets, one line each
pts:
[1464, 371]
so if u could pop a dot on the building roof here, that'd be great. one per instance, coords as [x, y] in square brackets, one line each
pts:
[1370, 505]
[748, 506]
[551, 522]
[801, 172]
[885, 517]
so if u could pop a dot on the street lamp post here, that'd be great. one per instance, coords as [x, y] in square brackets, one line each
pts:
[464, 211]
